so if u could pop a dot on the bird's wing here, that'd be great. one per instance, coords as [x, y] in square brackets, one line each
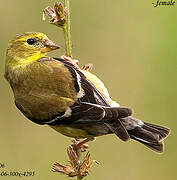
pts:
[86, 90]
[91, 106]
[90, 114]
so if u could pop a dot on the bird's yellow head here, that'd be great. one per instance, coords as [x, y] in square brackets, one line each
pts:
[27, 48]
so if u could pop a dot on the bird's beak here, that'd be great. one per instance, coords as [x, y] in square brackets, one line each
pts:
[49, 46]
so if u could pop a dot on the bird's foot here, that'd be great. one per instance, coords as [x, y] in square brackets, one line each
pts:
[81, 144]
[75, 62]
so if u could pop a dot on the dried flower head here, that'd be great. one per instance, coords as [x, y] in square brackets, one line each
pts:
[57, 15]
[77, 167]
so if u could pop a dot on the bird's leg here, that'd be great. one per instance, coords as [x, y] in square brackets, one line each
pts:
[81, 144]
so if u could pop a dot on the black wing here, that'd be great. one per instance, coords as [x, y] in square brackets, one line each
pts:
[92, 95]
[92, 114]
[92, 108]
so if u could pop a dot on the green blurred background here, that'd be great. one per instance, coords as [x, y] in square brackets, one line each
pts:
[133, 47]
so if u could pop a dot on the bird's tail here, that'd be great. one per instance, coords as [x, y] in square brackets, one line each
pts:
[148, 134]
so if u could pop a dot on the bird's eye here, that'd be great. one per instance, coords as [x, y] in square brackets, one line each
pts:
[31, 41]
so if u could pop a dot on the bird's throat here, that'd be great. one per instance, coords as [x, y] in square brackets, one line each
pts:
[16, 65]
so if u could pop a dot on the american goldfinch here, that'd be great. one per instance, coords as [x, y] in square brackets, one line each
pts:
[74, 102]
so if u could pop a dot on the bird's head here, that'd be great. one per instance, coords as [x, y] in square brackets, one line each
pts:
[27, 48]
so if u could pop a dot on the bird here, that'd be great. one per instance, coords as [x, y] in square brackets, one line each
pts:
[71, 100]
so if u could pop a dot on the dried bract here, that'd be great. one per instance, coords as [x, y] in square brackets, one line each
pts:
[57, 15]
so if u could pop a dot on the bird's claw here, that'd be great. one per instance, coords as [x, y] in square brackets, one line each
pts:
[75, 62]
[79, 145]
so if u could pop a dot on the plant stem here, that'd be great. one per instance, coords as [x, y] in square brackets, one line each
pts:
[67, 31]
[79, 178]
[79, 158]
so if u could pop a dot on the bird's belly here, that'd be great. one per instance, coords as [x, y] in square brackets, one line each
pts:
[71, 132]
[82, 130]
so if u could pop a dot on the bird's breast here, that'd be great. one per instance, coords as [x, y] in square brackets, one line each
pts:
[44, 90]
